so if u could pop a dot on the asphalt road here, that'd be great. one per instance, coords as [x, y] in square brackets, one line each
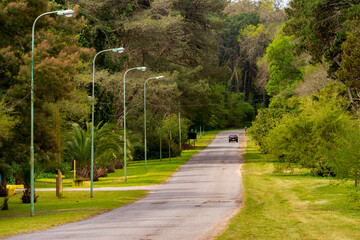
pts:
[194, 204]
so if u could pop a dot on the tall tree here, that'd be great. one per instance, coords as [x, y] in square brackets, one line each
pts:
[57, 57]
[282, 71]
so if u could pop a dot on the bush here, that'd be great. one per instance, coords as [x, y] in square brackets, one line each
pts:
[269, 118]
[315, 132]
[344, 154]
[303, 138]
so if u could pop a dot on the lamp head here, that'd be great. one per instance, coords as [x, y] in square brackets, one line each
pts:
[67, 13]
[159, 77]
[119, 50]
[141, 69]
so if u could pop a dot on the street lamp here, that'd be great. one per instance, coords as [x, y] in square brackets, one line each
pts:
[159, 77]
[118, 50]
[67, 13]
[180, 129]
[140, 69]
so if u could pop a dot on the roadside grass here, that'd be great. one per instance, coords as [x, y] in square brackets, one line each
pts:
[293, 205]
[51, 211]
[157, 171]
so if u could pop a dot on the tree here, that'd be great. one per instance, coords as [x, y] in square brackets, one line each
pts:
[5, 173]
[201, 18]
[268, 118]
[7, 123]
[155, 38]
[320, 27]
[104, 28]
[344, 154]
[170, 130]
[58, 57]
[349, 71]
[282, 71]
[230, 54]
[107, 142]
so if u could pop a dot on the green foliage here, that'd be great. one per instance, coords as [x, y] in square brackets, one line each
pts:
[315, 132]
[234, 55]
[350, 65]
[321, 27]
[238, 111]
[282, 71]
[107, 142]
[269, 118]
[5, 170]
[229, 35]
[300, 139]
[178, 39]
[344, 154]
[7, 122]
[57, 58]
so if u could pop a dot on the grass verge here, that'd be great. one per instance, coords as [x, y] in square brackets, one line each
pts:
[157, 171]
[51, 211]
[293, 205]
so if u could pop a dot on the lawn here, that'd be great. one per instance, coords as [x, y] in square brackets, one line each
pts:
[51, 211]
[293, 205]
[157, 171]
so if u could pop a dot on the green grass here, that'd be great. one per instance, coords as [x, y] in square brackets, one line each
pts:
[51, 211]
[292, 205]
[157, 171]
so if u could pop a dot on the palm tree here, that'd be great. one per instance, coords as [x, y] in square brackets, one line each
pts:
[108, 141]
[26, 179]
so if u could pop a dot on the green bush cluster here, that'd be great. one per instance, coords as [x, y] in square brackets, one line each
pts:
[316, 132]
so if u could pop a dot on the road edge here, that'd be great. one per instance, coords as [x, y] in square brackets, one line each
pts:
[222, 226]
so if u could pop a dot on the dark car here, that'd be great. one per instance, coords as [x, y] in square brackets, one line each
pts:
[233, 138]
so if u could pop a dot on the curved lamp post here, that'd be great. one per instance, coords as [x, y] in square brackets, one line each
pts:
[118, 50]
[159, 77]
[67, 13]
[140, 69]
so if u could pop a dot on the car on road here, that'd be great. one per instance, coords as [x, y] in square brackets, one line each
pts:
[233, 138]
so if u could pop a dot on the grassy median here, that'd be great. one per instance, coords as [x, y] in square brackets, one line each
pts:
[293, 205]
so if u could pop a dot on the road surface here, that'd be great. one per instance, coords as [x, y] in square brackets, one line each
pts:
[194, 204]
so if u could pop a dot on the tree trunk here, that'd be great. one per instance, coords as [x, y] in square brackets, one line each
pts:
[245, 76]
[59, 184]
[160, 147]
[3, 189]
[352, 100]
[170, 146]
[169, 149]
